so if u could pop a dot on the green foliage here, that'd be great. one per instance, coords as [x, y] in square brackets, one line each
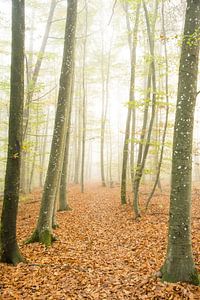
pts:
[193, 39]
[5, 85]
[138, 103]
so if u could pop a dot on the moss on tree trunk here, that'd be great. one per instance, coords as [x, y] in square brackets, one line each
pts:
[9, 251]
[179, 264]
[43, 232]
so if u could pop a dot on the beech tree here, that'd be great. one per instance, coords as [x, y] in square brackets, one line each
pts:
[179, 264]
[144, 149]
[131, 109]
[9, 250]
[84, 101]
[32, 79]
[43, 231]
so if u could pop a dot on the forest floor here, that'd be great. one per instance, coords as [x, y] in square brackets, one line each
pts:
[101, 252]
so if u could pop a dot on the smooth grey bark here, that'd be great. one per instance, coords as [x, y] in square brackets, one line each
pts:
[77, 150]
[179, 263]
[35, 152]
[133, 113]
[152, 77]
[167, 110]
[43, 150]
[105, 98]
[32, 82]
[103, 116]
[9, 250]
[110, 158]
[84, 88]
[34, 78]
[63, 187]
[131, 109]
[43, 231]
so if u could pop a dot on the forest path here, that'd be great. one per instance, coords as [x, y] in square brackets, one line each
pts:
[101, 252]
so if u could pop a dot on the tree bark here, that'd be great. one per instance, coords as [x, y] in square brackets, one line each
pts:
[131, 109]
[167, 111]
[43, 231]
[152, 74]
[32, 81]
[179, 264]
[9, 250]
[63, 197]
[103, 116]
[84, 102]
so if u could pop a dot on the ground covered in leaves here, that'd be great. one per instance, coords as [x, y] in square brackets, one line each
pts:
[101, 252]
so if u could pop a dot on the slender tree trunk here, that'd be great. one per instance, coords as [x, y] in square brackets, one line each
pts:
[9, 251]
[31, 87]
[103, 115]
[43, 150]
[84, 102]
[34, 153]
[141, 165]
[43, 231]
[167, 110]
[77, 138]
[63, 197]
[179, 264]
[110, 158]
[131, 108]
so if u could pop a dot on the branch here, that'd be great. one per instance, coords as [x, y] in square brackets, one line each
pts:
[113, 10]
[57, 20]
[42, 96]
[55, 38]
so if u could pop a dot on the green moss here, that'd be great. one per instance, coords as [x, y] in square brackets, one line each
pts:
[54, 226]
[17, 258]
[195, 278]
[68, 208]
[33, 239]
[172, 278]
[45, 237]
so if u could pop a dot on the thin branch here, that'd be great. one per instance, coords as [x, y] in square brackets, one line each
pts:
[55, 38]
[42, 96]
[113, 11]
[57, 20]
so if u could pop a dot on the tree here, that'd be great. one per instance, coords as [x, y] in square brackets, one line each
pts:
[63, 197]
[84, 90]
[179, 264]
[32, 79]
[9, 250]
[43, 231]
[131, 110]
[143, 153]
[167, 110]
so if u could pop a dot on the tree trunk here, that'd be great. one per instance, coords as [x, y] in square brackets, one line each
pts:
[35, 152]
[63, 199]
[131, 110]
[43, 150]
[103, 116]
[9, 251]
[43, 231]
[32, 81]
[167, 111]
[84, 103]
[179, 264]
[77, 151]
[141, 165]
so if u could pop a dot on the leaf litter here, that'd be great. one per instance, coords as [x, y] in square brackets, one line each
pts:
[101, 251]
